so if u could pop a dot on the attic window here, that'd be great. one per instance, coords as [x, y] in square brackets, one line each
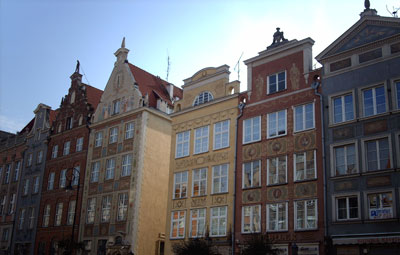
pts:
[72, 100]
[69, 123]
[203, 97]
[116, 105]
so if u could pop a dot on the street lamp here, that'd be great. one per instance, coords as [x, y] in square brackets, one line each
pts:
[75, 176]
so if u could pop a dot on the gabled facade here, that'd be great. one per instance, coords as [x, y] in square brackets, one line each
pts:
[279, 173]
[124, 200]
[201, 177]
[65, 165]
[28, 195]
[361, 88]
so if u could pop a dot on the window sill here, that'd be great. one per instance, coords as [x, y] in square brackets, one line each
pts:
[345, 176]
[182, 156]
[381, 220]
[349, 221]
[277, 136]
[218, 149]
[277, 231]
[198, 196]
[218, 235]
[250, 233]
[277, 184]
[373, 116]
[250, 188]
[177, 238]
[332, 125]
[243, 143]
[276, 92]
[308, 229]
[378, 172]
[306, 180]
[179, 198]
[221, 193]
[198, 153]
[304, 130]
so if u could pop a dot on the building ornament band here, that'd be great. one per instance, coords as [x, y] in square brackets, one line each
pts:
[201, 160]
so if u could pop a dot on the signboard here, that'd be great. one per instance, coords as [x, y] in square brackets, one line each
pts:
[381, 213]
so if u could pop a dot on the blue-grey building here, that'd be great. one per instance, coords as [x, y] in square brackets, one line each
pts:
[29, 191]
[361, 93]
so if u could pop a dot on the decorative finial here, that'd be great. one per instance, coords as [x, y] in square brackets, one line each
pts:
[367, 4]
[278, 37]
[123, 43]
[77, 66]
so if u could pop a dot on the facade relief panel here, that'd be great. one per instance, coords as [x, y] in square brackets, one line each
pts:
[251, 196]
[108, 186]
[201, 160]
[375, 127]
[128, 145]
[380, 181]
[112, 149]
[96, 153]
[275, 147]
[251, 152]
[179, 204]
[304, 141]
[305, 190]
[343, 133]
[345, 185]
[277, 193]
[197, 202]
[219, 200]
[88, 231]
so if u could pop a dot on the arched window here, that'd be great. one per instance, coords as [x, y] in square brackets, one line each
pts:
[202, 98]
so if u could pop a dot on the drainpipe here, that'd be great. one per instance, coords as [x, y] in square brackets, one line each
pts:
[241, 107]
[315, 85]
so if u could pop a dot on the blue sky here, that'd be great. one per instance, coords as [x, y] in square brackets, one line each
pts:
[42, 39]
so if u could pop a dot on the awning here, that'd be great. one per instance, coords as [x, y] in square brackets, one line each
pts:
[366, 240]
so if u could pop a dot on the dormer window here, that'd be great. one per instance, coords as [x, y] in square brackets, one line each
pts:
[69, 123]
[115, 109]
[202, 98]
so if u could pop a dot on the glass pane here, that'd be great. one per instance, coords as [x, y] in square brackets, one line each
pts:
[309, 116]
[368, 103]
[348, 106]
[380, 99]
[299, 118]
[281, 122]
[337, 110]
[272, 83]
[281, 81]
[384, 160]
[372, 160]
[272, 124]
[340, 161]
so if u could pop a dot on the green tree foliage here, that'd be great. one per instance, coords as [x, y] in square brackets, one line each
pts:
[258, 244]
[194, 247]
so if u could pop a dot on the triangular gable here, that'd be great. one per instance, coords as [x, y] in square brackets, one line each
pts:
[366, 31]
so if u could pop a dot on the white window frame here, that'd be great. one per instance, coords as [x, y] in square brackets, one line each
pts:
[58, 215]
[31, 218]
[374, 106]
[122, 206]
[182, 142]
[54, 151]
[220, 178]
[110, 169]
[268, 215]
[25, 189]
[200, 182]
[220, 218]
[21, 219]
[303, 112]
[17, 169]
[179, 221]
[253, 129]
[364, 151]
[375, 192]
[305, 214]
[253, 221]
[252, 185]
[221, 135]
[276, 120]
[333, 147]
[200, 222]
[91, 210]
[129, 130]
[343, 105]
[46, 215]
[335, 206]
[305, 166]
[200, 98]
[98, 139]
[36, 184]
[113, 138]
[106, 208]
[126, 168]
[201, 141]
[79, 144]
[63, 178]
[277, 82]
[66, 149]
[95, 172]
[276, 176]
[181, 184]
[50, 181]
[71, 212]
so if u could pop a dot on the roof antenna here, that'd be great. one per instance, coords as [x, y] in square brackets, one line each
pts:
[394, 12]
[88, 83]
[238, 67]
[168, 65]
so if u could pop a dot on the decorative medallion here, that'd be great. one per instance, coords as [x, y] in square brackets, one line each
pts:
[277, 193]
[251, 196]
[304, 190]
[276, 146]
[304, 141]
[252, 151]
[219, 200]
[176, 204]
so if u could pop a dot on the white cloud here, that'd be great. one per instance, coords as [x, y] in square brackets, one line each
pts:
[10, 125]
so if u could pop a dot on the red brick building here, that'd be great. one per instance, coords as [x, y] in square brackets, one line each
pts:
[65, 165]
[279, 174]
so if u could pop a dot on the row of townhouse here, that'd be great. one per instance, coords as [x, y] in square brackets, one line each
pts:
[309, 157]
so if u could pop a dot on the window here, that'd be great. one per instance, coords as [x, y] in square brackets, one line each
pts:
[113, 135]
[11, 204]
[276, 124]
[198, 222]
[129, 129]
[80, 120]
[276, 169]
[29, 161]
[75, 176]
[94, 175]
[46, 216]
[66, 148]
[380, 206]
[21, 219]
[201, 140]
[2, 204]
[252, 130]
[71, 212]
[79, 144]
[7, 174]
[110, 168]
[63, 178]
[377, 154]
[182, 144]
[251, 174]
[180, 184]
[50, 182]
[220, 179]
[98, 140]
[178, 224]
[17, 168]
[122, 206]
[31, 217]
[397, 84]
[347, 208]
[374, 101]
[203, 98]
[305, 214]
[25, 190]
[304, 117]
[126, 165]
[276, 82]
[39, 157]
[69, 123]
[54, 151]
[36, 184]
[345, 159]
[277, 215]
[116, 107]
[91, 210]
[106, 209]
[58, 217]
[199, 182]
[218, 221]
[6, 232]
[88, 246]
[221, 134]
[304, 166]
[251, 219]
[343, 108]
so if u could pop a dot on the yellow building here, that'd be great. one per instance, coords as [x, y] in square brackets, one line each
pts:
[125, 192]
[201, 177]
